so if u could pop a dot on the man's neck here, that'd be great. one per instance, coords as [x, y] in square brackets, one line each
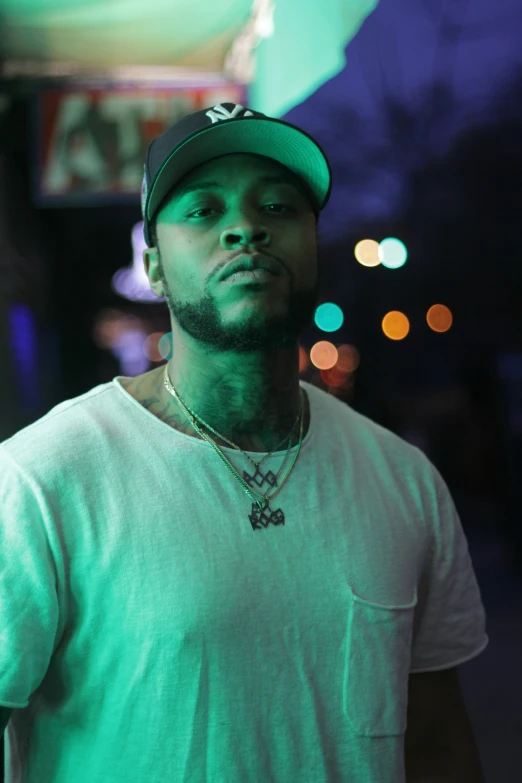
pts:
[255, 415]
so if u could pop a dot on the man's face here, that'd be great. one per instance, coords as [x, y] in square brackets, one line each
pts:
[200, 232]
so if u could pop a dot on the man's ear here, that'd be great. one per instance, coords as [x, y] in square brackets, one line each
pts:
[151, 262]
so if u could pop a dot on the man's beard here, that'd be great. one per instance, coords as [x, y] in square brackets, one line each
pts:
[203, 321]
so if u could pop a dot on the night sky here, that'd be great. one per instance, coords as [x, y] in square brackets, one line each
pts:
[473, 48]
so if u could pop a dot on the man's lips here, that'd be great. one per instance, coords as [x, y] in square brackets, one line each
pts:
[249, 263]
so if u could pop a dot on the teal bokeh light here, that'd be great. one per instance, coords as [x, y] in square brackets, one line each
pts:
[329, 317]
[392, 253]
[165, 346]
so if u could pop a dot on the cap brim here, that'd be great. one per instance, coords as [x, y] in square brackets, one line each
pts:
[274, 139]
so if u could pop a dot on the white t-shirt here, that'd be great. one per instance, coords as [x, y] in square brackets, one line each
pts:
[150, 633]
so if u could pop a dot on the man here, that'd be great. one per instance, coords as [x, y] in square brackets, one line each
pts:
[216, 571]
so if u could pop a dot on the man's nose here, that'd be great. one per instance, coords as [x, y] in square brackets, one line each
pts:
[245, 235]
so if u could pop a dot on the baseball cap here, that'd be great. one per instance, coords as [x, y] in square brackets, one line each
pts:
[223, 130]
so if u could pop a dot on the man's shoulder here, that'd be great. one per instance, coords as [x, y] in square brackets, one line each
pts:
[63, 425]
[371, 439]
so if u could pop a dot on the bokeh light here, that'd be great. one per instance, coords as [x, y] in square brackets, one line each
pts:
[337, 378]
[110, 324]
[392, 253]
[349, 358]
[329, 317]
[151, 347]
[395, 325]
[165, 346]
[439, 318]
[304, 360]
[367, 252]
[323, 355]
[342, 374]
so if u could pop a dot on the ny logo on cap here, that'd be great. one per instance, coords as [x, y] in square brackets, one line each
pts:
[220, 113]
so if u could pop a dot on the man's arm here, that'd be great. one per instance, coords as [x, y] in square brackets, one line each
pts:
[439, 744]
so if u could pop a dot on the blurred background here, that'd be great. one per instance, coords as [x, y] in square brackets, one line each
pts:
[418, 105]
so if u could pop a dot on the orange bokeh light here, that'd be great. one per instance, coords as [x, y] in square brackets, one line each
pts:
[395, 325]
[439, 318]
[150, 347]
[304, 361]
[349, 358]
[323, 355]
[337, 378]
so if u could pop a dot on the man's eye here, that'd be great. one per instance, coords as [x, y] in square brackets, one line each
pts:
[278, 205]
[195, 214]
[206, 209]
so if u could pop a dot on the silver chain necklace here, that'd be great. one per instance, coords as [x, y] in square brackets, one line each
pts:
[261, 514]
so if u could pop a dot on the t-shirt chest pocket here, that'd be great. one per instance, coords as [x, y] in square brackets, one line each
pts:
[377, 665]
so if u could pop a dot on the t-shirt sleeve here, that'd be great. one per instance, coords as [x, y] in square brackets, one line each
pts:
[29, 611]
[450, 620]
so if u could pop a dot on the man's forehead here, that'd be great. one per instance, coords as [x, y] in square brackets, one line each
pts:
[251, 165]
[215, 174]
